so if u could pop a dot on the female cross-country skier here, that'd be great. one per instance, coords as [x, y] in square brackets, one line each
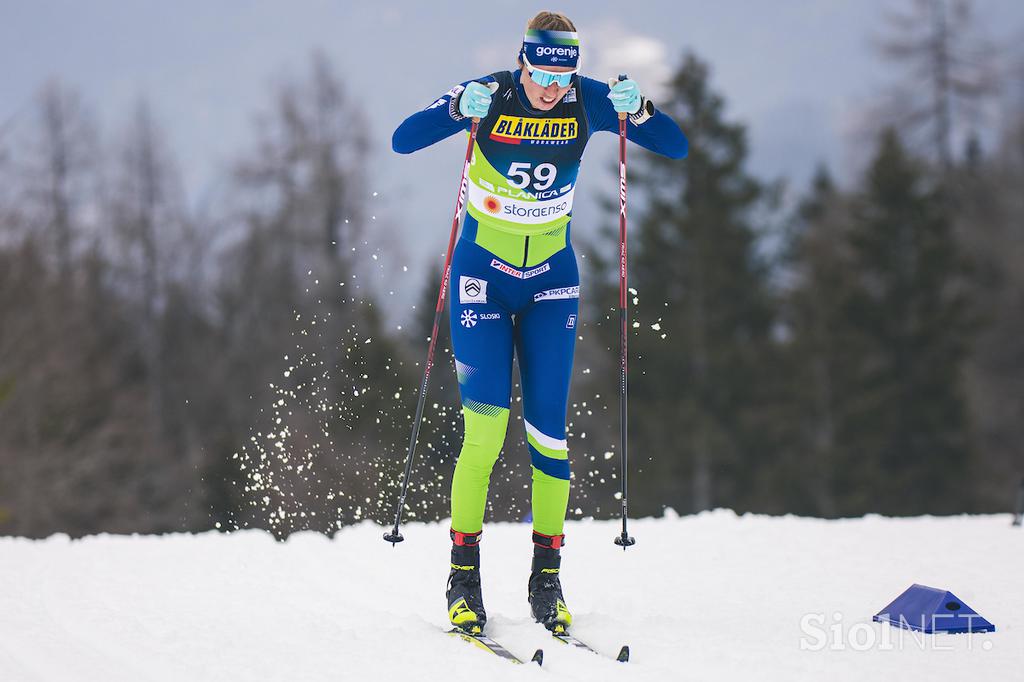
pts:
[517, 283]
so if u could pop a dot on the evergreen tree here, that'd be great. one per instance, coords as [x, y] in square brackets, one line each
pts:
[820, 346]
[990, 216]
[905, 432]
[701, 318]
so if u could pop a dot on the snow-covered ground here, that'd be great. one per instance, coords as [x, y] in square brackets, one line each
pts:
[706, 597]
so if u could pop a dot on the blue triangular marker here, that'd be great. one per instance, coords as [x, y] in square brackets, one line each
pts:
[931, 610]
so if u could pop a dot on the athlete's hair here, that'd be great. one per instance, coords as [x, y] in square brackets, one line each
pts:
[549, 21]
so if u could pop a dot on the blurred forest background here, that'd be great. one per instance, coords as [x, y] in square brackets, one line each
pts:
[169, 367]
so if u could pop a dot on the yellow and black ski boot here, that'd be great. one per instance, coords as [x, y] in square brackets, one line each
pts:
[545, 589]
[465, 600]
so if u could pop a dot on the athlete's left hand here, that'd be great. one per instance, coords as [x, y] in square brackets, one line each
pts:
[625, 95]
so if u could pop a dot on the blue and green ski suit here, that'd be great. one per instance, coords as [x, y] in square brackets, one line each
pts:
[514, 278]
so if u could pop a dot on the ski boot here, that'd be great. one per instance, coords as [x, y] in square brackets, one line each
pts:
[465, 601]
[545, 590]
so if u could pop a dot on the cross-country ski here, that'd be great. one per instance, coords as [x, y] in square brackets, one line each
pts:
[565, 638]
[484, 642]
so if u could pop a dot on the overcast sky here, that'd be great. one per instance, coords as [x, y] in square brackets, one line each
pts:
[799, 73]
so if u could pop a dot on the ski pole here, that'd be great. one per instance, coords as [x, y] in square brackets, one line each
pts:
[623, 539]
[394, 536]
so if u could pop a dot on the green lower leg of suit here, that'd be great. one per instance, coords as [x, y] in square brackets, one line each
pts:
[485, 434]
[550, 500]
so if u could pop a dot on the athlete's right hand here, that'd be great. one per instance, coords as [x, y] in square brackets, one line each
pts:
[475, 100]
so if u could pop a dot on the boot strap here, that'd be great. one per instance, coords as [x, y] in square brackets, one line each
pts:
[549, 541]
[465, 539]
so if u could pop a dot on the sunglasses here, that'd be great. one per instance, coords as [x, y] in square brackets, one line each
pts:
[545, 78]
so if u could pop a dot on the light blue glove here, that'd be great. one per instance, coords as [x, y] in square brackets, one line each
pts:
[625, 95]
[475, 100]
